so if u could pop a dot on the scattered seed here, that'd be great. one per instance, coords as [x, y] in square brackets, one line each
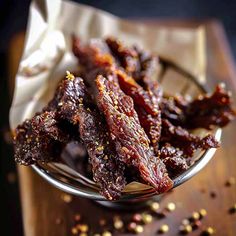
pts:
[102, 222]
[118, 224]
[208, 231]
[147, 218]
[202, 190]
[196, 224]
[185, 222]
[131, 226]
[203, 213]
[74, 230]
[83, 228]
[66, 198]
[106, 233]
[195, 216]
[137, 217]
[77, 217]
[154, 206]
[11, 177]
[230, 181]
[164, 229]
[186, 229]
[213, 194]
[83, 234]
[58, 221]
[170, 206]
[232, 209]
[138, 229]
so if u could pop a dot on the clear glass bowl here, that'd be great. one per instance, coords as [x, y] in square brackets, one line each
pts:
[174, 80]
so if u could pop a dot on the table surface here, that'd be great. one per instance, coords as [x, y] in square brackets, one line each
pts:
[45, 213]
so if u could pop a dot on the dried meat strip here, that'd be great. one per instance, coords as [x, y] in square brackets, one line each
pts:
[145, 101]
[107, 170]
[187, 142]
[147, 92]
[152, 126]
[42, 139]
[173, 109]
[127, 56]
[210, 110]
[132, 144]
[97, 61]
[151, 122]
[39, 139]
[75, 106]
[174, 159]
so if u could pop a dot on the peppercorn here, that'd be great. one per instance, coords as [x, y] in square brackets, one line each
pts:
[196, 224]
[230, 181]
[195, 216]
[77, 217]
[208, 231]
[131, 226]
[203, 213]
[118, 223]
[154, 206]
[186, 229]
[232, 210]
[163, 229]
[137, 217]
[83, 228]
[138, 229]
[74, 230]
[106, 233]
[170, 206]
[147, 218]
[185, 222]
[66, 198]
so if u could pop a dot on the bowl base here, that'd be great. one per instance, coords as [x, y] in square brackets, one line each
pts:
[129, 204]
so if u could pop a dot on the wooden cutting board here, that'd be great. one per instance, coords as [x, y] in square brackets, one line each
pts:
[45, 213]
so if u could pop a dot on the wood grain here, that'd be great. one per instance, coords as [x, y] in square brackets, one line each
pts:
[42, 204]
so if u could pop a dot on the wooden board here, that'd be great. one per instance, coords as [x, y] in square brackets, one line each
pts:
[42, 205]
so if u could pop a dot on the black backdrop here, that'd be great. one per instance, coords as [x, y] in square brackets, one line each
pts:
[13, 18]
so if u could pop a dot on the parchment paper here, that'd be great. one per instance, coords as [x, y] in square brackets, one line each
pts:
[47, 52]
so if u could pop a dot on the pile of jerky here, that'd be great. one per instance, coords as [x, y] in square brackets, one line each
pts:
[117, 110]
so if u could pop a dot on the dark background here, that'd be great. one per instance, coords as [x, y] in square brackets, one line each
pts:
[13, 18]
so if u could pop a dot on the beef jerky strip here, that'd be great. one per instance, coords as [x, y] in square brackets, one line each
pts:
[127, 57]
[132, 144]
[139, 64]
[107, 170]
[94, 56]
[43, 137]
[98, 61]
[210, 110]
[149, 121]
[181, 138]
[147, 76]
[152, 126]
[39, 139]
[128, 84]
[172, 109]
[143, 67]
[75, 106]
[173, 159]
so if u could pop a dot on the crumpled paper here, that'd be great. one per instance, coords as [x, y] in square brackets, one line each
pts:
[47, 51]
